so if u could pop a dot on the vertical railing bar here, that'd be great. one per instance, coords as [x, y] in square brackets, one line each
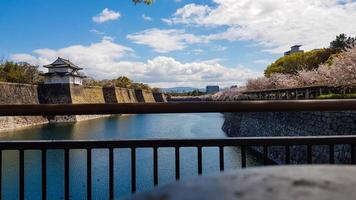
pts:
[22, 174]
[265, 155]
[177, 167]
[353, 159]
[309, 154]
[0, 174]
[221, 158]
[111, 173]
[200, 160]
[331, 154]
[133, 170]
[155, 166]
[66, 174]
[287, 156]
[243, 156]
[89, 174]
[44, 173]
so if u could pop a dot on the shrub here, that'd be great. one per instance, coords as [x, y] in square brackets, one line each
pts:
[293, 63]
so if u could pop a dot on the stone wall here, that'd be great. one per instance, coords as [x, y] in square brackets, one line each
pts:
[19, 94]
[159, 97]
[125, 95]
[119, 95]
[144, 96]
[87, 95]
[56, 94]
[294, 124]
[13, 93]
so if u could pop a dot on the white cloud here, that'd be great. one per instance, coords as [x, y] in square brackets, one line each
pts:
[167, 72]
[146, 18]
[97, 32]
[25, 58]
[106, 15]
[189, 14]
[103, 53]
[274, 24]
[164, 41]
[105, 59]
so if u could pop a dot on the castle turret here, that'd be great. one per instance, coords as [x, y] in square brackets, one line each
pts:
[63, 71]
[293, 49]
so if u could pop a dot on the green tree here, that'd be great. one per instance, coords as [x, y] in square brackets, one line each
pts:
[123, 81]
[309, 60]
[342, 43]
[20, 73]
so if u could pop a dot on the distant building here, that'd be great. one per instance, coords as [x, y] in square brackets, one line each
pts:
[63, 71]
[293, 49]
[211, 89]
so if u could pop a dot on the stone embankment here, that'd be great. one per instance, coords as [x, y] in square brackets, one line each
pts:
[19, 94]
[294, 124]
[13, 93]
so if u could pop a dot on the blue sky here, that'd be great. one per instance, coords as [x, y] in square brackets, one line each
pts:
[172, 42]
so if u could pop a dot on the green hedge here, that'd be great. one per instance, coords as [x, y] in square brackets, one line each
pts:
[338, 96]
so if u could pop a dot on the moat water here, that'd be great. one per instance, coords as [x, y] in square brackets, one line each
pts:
[120, 127]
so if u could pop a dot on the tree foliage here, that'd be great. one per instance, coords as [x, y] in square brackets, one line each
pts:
[19, 73]
[195, 92]
[121, 81]
[291, 64]
[342, 43]
[340, 73]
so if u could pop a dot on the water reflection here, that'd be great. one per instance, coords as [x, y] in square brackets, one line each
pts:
[118, 127]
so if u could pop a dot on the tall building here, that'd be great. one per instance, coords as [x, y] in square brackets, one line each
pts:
[211, 89]
[63, 71]
[293, 49]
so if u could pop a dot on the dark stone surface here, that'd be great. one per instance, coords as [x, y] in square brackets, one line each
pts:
[159, 97]
[110, 95]
[294, 124]
[54, 94]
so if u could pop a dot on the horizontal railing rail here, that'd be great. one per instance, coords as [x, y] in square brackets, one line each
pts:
[155, 144]
[178, 107]
[151, 143]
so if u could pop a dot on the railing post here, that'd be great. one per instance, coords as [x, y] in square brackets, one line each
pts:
[155, 166]
[0, 174]
[66, 174]
[287, 157]
[265, 155]
[221, 158]
[177, 163]
[133, 169]
[44, 174]
[331, 154]
[243, 156]
[353, 159]
[200, 160]
[111, 173]
[22, 174]
[89, 174]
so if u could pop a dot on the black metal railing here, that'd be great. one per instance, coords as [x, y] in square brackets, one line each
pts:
[177, 144]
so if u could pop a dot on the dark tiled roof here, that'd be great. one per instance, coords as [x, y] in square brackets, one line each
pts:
[61, 62]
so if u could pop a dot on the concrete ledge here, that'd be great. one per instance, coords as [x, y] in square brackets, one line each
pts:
[279, 183]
